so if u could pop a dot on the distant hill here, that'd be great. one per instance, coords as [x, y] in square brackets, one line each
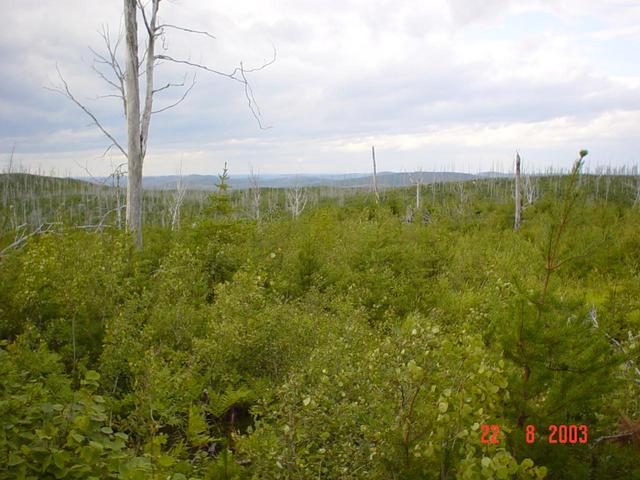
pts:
[241, 182]
[40, 183]
[404, 179]
[352, 180]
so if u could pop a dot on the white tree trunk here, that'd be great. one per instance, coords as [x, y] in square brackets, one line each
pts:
[150, 63]
[375, 175]
[134, 150]
[518, 196]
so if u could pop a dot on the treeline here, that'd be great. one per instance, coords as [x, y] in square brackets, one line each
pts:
[29, 201]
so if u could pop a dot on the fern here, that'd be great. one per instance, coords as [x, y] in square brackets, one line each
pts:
[221, 403]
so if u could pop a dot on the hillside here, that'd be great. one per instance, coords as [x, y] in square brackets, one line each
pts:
[38, 183]
[352, 180]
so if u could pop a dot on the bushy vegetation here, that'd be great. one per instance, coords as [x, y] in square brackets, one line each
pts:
[343, 342]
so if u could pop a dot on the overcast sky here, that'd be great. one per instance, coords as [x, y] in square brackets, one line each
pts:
[438, 85]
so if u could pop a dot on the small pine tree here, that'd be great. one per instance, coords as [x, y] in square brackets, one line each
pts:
[220, 203]
[561, 366]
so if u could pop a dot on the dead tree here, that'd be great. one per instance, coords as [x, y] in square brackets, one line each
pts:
[417, 179]
[375, 175]
[10, 162]
[531, 189]
[518, 196]
[254, 193]
[117, 174]
[126, 84]
[297, 199]
[178, 197]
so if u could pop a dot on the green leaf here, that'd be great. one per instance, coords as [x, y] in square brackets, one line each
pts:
[527, 463]
[92, 376]
[541, 472]
[502, 472]
[14, 459]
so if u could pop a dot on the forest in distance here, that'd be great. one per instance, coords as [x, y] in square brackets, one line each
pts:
[319, 332]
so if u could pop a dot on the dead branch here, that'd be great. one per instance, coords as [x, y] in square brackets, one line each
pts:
[11, 155]
[178, 198]
[238, 74]
[148, 26]
[88, 172]
[170, 85]
[188, 30]
[296, 200]
[629, 363]
[112, 62]
[104, 217]
[42, 229]
[251, 101]
[67, 92]
[178, 102]
[149, 73]
[629, 435]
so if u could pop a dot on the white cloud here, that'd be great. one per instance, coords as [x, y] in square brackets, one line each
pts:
[439, 80]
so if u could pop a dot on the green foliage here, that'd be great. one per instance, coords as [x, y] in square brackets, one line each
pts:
[346, 343]
[64, 295]
[50, 430]
[407, 405]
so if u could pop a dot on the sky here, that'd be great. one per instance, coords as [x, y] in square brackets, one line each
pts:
[456, 85]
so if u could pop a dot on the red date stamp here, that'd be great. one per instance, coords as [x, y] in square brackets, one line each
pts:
[555, 434]
[490, 434]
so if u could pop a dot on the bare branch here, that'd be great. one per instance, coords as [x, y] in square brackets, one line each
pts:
[202, 67]
[66, 92]
[253, 105]
[111, 95]
[112, 62]
[620, 436]
[184, 95]
[238, 74]
[107, 150]
[143, 58]
[104, 217]
[629, 363]
[113, 52]
[42, 229]
[169, 85]
[188, 30]
[11, 155]
[266, 64]
[88, 172]
[231, 75]
[144, 18]
[149, 73]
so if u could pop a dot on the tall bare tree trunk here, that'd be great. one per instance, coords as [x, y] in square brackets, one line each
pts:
[375, 175]
[134, 147]
[518, 196]
[149, 70]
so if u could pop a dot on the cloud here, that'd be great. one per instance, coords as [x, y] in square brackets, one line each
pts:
[431, 83]
[467, 11]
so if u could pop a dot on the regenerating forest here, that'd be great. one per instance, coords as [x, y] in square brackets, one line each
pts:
[347, 337]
